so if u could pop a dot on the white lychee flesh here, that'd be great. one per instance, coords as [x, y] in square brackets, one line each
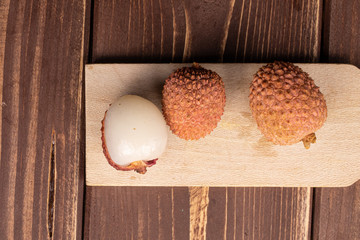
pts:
[134, 130]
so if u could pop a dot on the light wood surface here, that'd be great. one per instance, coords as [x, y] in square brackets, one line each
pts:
[235, 153]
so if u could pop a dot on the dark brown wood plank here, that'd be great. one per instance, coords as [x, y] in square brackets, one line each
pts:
[205, 31]
[136, 213]
[337, 210]
[337, 213]
[341, 32]
[262, 31]
[259, 213]
[41, 51]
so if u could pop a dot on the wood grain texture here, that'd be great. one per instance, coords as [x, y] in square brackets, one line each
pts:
[259, 213]
[341, 32]
[206, 31]
[182, 213]
[337, 210]
[235, 152]
[137, 213]
[199, 201]
[41, 51]
[131, 31]
[4, 12]
[337, 213]
[262, 31]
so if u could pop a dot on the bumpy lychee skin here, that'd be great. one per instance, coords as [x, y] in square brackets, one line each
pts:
[193, 101]
[286, 104]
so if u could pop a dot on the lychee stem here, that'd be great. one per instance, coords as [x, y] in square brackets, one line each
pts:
[307, 140]
[138, 166]
[196, 65]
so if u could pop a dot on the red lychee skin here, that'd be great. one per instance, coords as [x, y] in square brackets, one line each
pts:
[193, 101]
[286, 104]
[138, 166]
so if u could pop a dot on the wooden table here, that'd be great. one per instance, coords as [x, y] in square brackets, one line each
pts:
[43, 48]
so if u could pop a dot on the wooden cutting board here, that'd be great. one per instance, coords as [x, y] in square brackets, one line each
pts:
[235, 153]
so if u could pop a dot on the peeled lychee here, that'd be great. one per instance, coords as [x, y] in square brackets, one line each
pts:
[287, 105]
[193, 101]
[134, 134]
